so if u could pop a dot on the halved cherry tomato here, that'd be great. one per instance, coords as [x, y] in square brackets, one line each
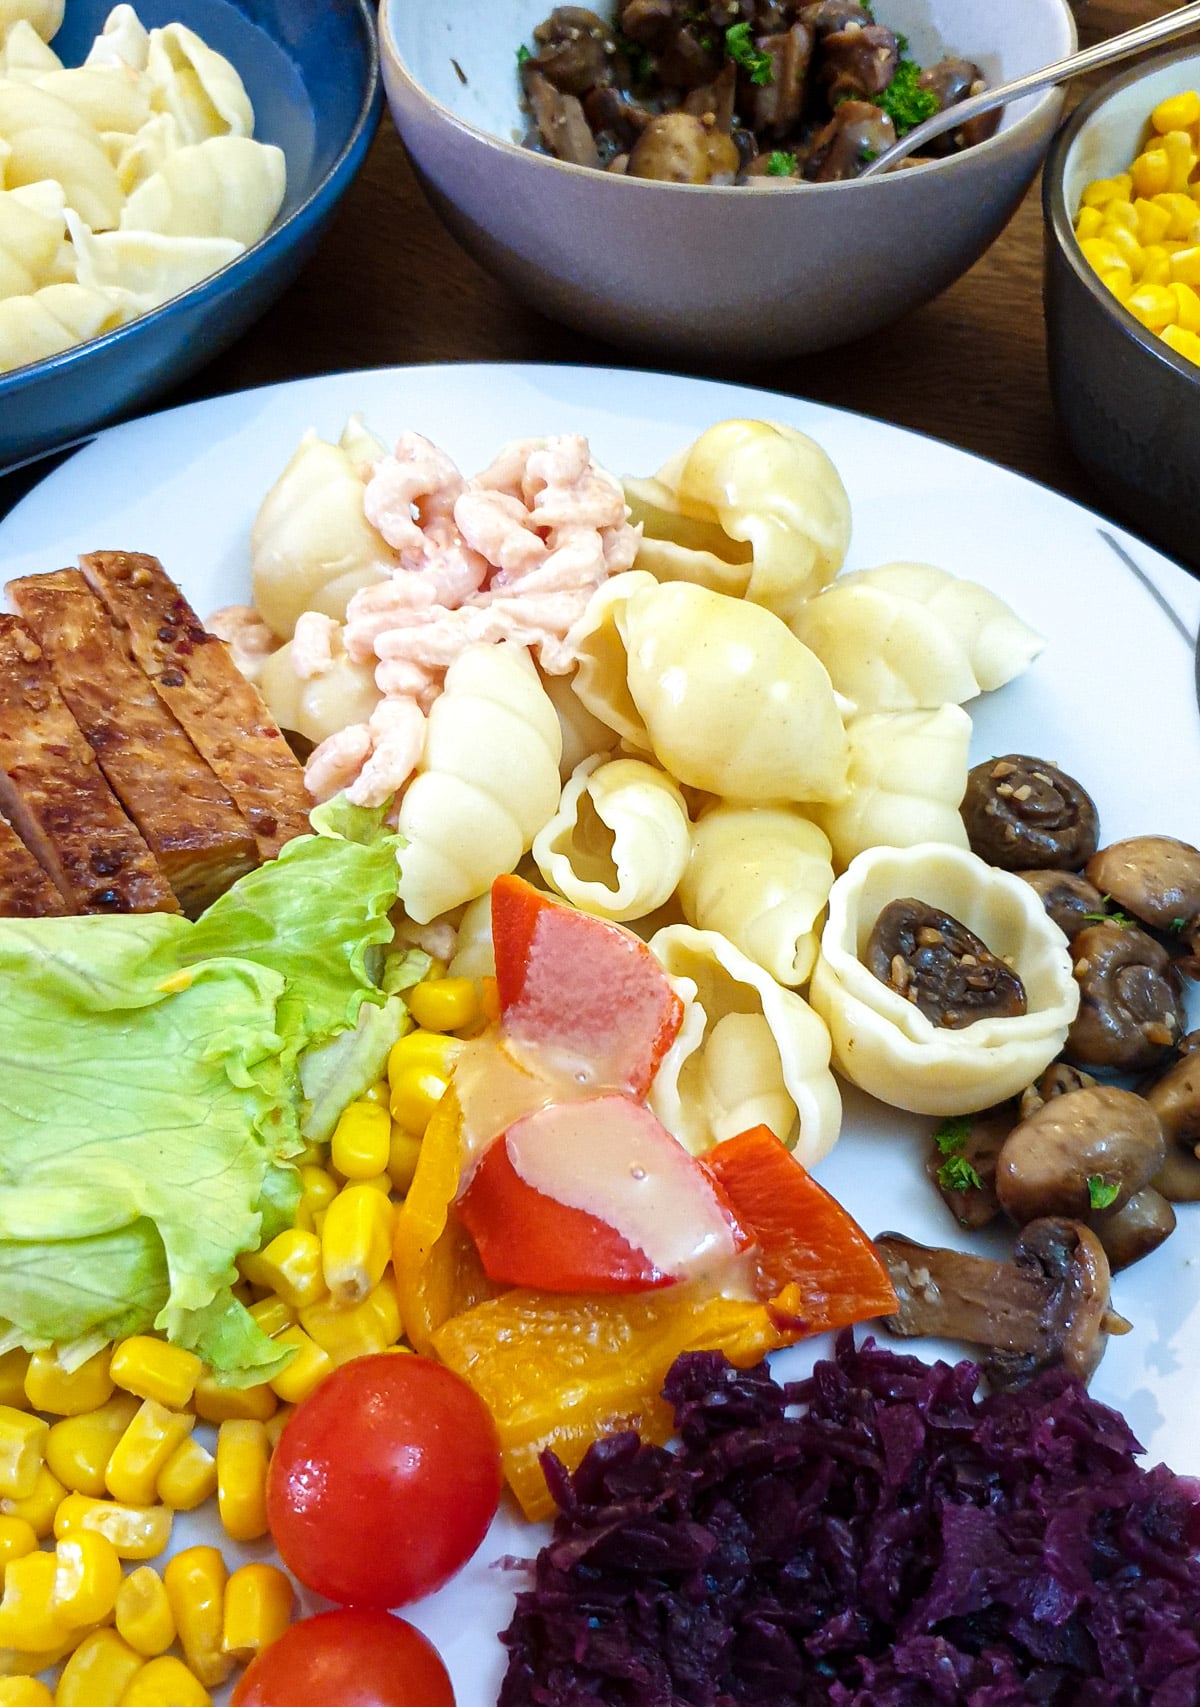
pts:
[384, 1481]
[354, 1657]
[806, 1242]
[595, 1196]
[580, 986]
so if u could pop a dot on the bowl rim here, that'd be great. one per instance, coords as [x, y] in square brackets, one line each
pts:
[1058, 220]
[338, 176]
[547, 162]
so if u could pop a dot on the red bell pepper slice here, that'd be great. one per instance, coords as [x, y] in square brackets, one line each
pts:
[806, 1242]
[580, 986]
[595, 1196]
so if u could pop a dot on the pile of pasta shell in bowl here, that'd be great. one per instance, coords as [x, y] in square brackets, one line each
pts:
[663, 703]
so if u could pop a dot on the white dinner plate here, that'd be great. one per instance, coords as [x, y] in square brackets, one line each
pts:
[1113, 700]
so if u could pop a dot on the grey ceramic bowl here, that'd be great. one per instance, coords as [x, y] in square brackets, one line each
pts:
[1128, 404]
[749, 272]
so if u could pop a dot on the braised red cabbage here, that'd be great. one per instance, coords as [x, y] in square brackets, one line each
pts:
[878, 1535]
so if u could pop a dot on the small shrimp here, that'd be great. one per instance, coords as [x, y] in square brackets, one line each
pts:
[501, 529]
[247, 636]
[314, 645]
[337, 760]
[415, 485]
[397, 730]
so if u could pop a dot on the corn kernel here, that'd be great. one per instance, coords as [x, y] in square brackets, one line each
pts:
[86, 1578]
[49, 1387]
[356, 1242]
[189, 1476]
[242, 1459]
[195, 1584]
[1120, 216]
[17, 1538]
[38, 1508]
[1183, 216]
[1124, 242]
[22, 1451]
[1156, 265]
[277, 1425]
[1187, 307]
[78, 1449]
[429, 1050]
[166, 1682]
[258, 1609]
[271, 1315]
[28, 1620]
[1119, 280]
[379, 1092]
[1101, 191]
[1103, 253]
[98, 1672]
[155, 1370]
[24, 1692]
[143, 1613]
[290, 1266]
[403, 1154]
[356, 1330]
[142, 1451]
[359, 1146]
[1151, 173]
[311, 1156]
[1153, 305]
[1185, 267]
[1152, 220]
[319, 1191]
[444, 1004]
[1178, 147]
[1184, 343]
[1177, 112]
[217, 1403]
[137, 1532]
[306, 1371]
[13, 1367]
[25, 1662]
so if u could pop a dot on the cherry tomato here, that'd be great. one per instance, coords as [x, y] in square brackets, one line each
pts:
[384, 1481]
[355, 1657]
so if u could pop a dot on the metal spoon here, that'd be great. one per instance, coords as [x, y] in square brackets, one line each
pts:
[1164, 29]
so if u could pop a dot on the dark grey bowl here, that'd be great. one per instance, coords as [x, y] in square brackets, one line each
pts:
[1128, 404]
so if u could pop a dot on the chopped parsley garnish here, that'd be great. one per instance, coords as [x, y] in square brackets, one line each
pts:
[523, 54]
[1102, 1195]
[641, 61]
[958, 1175]
[951, 1136]
[743, 52]
[1107, 918]
[1178, 924]
[904, 101]
[781, 164]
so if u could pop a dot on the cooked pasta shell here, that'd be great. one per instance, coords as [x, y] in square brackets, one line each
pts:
[884, 1043]
[197, 85]
[226, 186]
[618, 844]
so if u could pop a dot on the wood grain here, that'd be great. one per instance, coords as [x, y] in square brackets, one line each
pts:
[388, 285]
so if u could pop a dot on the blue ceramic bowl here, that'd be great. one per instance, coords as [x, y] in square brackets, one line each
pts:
[311, 69]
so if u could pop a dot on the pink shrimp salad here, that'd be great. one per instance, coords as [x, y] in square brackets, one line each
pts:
[514, 554]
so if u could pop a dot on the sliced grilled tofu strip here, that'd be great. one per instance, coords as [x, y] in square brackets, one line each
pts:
[54, 792]
[191, 826]
[224, 715]
[25, 890]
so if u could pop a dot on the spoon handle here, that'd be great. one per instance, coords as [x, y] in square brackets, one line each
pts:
[1177, 23]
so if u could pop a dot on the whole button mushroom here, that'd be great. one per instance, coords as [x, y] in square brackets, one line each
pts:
[1069, 899]
[1135, 1229]
[1089, 1150]
[1131, 1000]
[1175, 1099]
[679, 148]
[1157, 879]
[1024, 814]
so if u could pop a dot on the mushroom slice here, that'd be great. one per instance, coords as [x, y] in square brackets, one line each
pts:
[1090, 1149]
[882, 1042]
[1131, 1000]
[931, 959]
[1070, 900]
[1024, 813]
[1157, 879]
[1056, 1081]
[1049, 1306]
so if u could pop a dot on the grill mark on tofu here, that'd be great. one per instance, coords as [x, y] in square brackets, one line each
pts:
[190, 824]
[25, 890]
[222, 713]
[55, 795]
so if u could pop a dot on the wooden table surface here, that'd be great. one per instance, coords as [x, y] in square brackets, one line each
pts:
[389, 286]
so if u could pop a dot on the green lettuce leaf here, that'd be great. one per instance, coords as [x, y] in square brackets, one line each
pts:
[151, 1096]
[336, 1073]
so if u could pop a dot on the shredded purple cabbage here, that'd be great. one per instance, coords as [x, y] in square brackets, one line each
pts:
[875, 1536]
